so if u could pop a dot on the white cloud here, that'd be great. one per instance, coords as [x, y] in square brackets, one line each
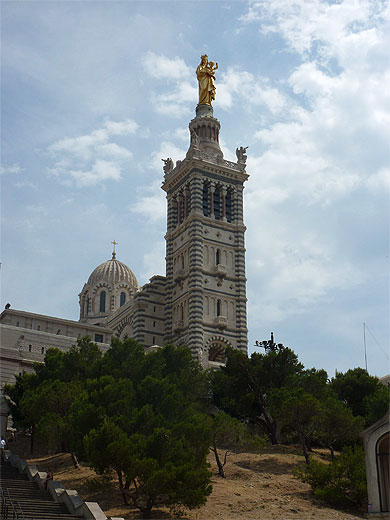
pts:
[167, 149]
[152, 203]
[126, 127]
[380, 180]
[82, 146]
[151, 207]
[14, 168]
[154, 260]
[26, 184]
[115, 151]
[91, 151]
[255, 90]
[329, 146]
[182, 84]
[100, 171]
[158, 66]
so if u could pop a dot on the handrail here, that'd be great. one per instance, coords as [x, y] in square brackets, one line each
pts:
[7, 503]
[20, 510]
[4, 507]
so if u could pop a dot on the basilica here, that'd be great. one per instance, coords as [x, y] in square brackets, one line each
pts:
[201, 300]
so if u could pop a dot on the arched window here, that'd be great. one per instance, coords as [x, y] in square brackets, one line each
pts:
[383, 458]
[181, 208]
[102, 306]
[228, 205]
[206, 209]
[217, 203]
[122, 299]
[217, 353]
[218, 257]
[218, 307]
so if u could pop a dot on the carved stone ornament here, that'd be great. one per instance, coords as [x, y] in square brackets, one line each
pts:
[241, 154]
[195, 141]
[168, 165]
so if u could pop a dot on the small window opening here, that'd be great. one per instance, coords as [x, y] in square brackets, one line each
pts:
[218, 307]
[218, 257]
[217, 204]
[29, 348]
[154, 324]
[42, 350]
[102, 307]
[228, 206]
[122, 299]
[206, 209]
[181, 209]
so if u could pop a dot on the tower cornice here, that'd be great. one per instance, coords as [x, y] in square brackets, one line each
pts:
[202, 165]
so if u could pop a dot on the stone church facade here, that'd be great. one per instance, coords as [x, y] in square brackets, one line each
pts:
[200, 302]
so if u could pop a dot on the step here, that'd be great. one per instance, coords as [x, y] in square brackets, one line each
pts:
[36, 504]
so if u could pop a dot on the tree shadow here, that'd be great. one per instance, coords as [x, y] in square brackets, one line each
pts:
[269, 465]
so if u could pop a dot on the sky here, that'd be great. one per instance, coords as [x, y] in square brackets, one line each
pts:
[96, 93]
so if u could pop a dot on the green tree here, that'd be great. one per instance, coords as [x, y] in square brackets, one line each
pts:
[158, 449]
[229, 434]
[360, 391]
[297, 409]
[80, 362]
[376, 404]
[14, 394]
[99, 399]
[336, 424]
[242, 388]
[125, 359]
[340, 483]
[45, 409]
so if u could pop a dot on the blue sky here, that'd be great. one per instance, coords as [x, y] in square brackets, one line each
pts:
[95, 93]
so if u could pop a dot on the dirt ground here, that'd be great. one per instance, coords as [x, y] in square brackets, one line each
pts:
[257, 486]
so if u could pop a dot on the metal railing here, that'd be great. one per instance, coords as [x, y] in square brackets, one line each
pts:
[10, 510]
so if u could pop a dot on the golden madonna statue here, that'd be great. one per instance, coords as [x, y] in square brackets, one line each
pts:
[206, 80]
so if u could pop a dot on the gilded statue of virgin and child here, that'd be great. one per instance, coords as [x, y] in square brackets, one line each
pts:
[206, 79]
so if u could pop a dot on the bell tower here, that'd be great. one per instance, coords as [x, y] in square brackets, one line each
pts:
[205, 246]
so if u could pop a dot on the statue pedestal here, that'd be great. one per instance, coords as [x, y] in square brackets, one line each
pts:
[204, 110]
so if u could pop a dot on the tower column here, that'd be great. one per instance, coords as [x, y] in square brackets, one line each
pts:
[195, 277]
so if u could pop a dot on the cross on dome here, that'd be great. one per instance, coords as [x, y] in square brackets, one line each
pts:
[113, 253]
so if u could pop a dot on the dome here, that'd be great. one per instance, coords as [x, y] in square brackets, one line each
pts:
[113, 271]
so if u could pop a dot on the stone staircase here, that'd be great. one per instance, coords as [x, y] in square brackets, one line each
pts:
[22, 500]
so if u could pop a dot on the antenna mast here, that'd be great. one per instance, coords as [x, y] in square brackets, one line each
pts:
[365, 349]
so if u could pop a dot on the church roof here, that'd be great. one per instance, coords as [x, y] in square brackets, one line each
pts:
[113, 271]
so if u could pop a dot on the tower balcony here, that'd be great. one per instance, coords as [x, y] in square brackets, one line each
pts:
[179, 275]
[178, 326]
[221, 322]
[220, 270]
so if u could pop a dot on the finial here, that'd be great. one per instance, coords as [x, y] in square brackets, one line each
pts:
[113, 253]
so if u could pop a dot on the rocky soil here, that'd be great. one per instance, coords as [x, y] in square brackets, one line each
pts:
[257, 486]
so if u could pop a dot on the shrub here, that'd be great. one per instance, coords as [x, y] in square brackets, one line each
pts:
[100, 483]
[340, 483]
